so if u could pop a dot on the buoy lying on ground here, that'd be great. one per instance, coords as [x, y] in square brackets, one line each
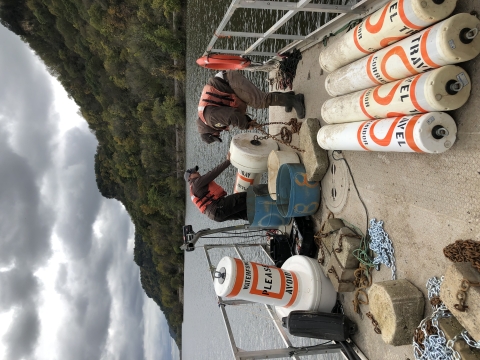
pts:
[396, 20]
[250, 157]
[449, 42]
[299, 285]
[425, 133]
[443, 89]
[223, 62]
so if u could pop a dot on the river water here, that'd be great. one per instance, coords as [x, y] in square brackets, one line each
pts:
[204, 335]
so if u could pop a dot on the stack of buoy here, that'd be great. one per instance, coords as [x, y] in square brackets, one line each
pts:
[415, 78]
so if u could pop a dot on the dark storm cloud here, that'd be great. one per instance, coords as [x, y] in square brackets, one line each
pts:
[26, 97]
[80, 193]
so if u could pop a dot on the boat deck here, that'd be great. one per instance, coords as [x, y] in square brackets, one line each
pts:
[426, 201]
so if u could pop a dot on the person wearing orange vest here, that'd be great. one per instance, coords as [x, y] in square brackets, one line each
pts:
[224, 101]
[211, 199]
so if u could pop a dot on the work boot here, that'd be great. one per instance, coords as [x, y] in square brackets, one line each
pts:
[288, 108]
[288, 100]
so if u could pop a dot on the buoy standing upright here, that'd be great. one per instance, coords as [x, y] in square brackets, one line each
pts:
[449, 42]
[424, 133]
[298, 286]
[250, 157]
[443, 89]
[396, 20]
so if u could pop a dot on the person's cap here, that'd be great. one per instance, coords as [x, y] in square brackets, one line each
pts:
[189, 172]
[210, 138]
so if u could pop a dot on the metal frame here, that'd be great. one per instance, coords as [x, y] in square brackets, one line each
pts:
[347, 13]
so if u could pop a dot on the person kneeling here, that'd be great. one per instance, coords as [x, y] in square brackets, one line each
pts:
[211, 199]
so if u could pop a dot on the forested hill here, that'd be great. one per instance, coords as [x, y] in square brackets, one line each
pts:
[120, 60]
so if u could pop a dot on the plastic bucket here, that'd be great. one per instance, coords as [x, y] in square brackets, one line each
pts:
[262, 211]
[275, 160]
[296, 196]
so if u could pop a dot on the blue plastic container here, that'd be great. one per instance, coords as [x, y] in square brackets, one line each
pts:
[296, 196]
[262, 210]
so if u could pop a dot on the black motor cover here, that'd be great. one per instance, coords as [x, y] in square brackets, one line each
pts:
[319, 325]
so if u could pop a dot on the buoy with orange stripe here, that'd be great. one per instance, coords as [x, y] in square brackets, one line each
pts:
[443, 89]
[223, 62]
[424, 133]
[298, 285]
[449, 42]
[244, 180]
[395, 21]
[250, 156]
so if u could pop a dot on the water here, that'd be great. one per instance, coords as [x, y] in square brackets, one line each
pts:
[204, 335]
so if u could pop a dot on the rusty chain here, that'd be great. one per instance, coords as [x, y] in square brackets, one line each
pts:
[464, 251]
[374, 323]
[285, 134]
[340, 245]
[462, 294]
[334, 272]
[363, 280]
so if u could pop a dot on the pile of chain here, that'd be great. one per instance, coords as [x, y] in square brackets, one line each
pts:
[285, 133]
[463, 251]
[287, 70]
[382, 246]
[429, 342]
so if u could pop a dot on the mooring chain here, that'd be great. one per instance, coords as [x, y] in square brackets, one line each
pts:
[462, 294]
[381, 244]
[464, 251]
[363, 280]
[320, 244]
[374, 323]
[334, 272]
[340, 245]
[285, 133]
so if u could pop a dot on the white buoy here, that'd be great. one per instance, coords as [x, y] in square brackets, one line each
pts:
[443, 89]
[276, 159]
[449, 42]
[298, 286]
[425, 133]
[244, 180]
[396, 20]
[250, 157]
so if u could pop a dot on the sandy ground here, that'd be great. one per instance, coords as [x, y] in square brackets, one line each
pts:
[426, 201]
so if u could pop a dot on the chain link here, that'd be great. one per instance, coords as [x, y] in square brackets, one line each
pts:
[381, 244]
[374, 323]
[285, 133]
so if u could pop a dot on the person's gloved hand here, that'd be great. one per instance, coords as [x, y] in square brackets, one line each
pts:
[251, 123]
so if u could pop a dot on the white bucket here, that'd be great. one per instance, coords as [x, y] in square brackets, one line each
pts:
[445, 43]
[276, 159]
[251, 155]
[426, 133]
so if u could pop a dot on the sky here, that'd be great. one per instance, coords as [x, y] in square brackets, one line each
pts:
[69, 288]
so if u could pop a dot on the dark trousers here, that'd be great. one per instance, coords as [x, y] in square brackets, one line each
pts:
[231, 207]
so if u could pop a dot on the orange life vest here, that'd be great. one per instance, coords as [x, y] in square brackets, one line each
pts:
[215, 192]
[213, 97]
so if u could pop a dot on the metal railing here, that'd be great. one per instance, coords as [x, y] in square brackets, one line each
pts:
[346, 13]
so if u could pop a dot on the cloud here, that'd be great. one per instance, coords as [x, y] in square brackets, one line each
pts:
[79, 201]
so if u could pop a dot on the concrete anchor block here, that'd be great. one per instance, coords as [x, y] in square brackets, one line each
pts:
[315, 159]
[470, 318]
[344, 282]
[397, 306]
[343, 245]
[326, 259]
[451, 328]
[331, 226]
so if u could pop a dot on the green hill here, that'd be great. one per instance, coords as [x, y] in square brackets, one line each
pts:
[121, 61]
